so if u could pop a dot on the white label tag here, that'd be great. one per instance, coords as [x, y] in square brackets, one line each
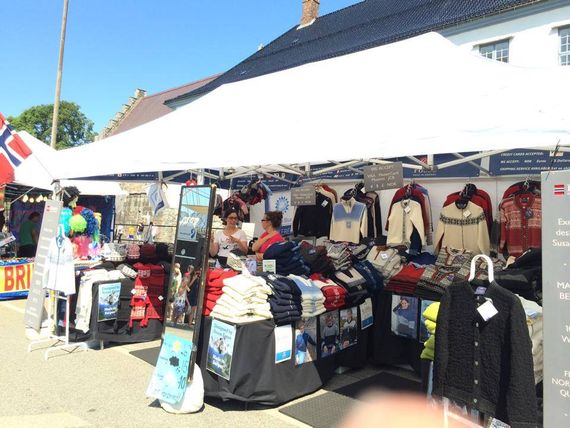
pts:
[325, 203]
[133, 291]
[348, 224]
[487, 310]
[160, 298]
[466, 213]
[407, 210]
[384, 256]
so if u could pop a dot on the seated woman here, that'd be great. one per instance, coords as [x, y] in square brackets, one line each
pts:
[229, 239]
[271, 222]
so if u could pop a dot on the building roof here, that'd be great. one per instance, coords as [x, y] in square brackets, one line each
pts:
[152, 106]
[361, 26]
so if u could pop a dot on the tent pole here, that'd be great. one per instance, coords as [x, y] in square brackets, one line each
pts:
[338, 166]
[405, 165]
[460, 156]
[470, 158]
[419, 162]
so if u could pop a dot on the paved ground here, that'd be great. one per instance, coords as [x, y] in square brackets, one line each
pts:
[103, 388]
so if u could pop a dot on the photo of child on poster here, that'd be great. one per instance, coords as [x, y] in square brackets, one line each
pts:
[330, 333]
[305, 341]
[348, 328]
[405, 316]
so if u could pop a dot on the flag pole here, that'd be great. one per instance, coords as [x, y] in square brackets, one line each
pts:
[59, 73]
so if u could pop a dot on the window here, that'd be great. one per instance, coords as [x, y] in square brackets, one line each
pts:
[564, 45]
[498, 51]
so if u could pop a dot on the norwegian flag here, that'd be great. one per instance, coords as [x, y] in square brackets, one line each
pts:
[13, 151]
[559, 189]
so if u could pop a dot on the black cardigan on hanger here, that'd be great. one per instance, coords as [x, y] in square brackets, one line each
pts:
[485, 365]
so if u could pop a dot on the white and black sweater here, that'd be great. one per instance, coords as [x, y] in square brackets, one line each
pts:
[485, 365]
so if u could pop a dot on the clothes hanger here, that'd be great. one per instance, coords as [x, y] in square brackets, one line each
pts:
[490, 271]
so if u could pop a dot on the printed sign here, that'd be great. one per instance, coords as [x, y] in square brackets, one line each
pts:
[381, 177]
[366, 315]
[348, 328]
[15, 279]
[170, 376]
[108, 301]
[556, 298]
[305, 195]
[528, 162]
[283, 343]
[221, 348]
[305, 341]
[405, 316]
[35, 302]
[281, 201]
[269, 266]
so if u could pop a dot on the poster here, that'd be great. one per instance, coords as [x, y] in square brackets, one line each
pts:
[366, 315]
[283, 343]
[169, 379]
[281, 201]
[348, 328]
[108, 301]
[330, 333]
[424, 333]
[305, 341]
[405, 316]
[221, 348]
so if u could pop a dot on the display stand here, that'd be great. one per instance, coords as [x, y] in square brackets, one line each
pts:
[62, 342]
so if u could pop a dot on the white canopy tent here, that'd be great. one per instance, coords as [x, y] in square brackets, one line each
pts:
[419, 96]
[37, 171]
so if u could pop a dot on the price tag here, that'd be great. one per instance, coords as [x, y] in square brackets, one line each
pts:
[133, 291]
[466, 213]
[325, 203]
[384, 256]
[160, 298]
[487, 310]
[269, 266]
[407, 210]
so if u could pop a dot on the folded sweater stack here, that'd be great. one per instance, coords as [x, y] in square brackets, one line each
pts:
[405, 281]
[335, 295]
[430, 315]
[286, 299]
[243, 300]
[214, 284]
[388, 261]
[340, 255]
[354, 284]
[316, 259]
[374, 279]
[312, 299]
[287, 258]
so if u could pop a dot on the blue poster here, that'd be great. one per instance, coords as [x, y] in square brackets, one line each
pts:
[528, 162]
[108, 301]
[221, 348]
[281, 201]
[170, 376]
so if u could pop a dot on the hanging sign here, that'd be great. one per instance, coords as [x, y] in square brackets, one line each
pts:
[305, 195]
[528, 162]
[382, 177]
[35, 302]
[556, 297]
[283, 343]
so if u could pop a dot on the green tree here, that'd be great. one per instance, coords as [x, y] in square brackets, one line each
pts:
[73, 126]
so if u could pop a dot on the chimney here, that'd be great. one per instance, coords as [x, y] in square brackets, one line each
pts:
[310, 12]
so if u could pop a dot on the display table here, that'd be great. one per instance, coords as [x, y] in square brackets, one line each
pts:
[15, 278]
[255, 378]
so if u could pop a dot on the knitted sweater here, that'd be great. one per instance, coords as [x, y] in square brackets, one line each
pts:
[485, 365]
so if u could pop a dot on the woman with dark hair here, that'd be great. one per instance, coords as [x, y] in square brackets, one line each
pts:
[229, 239]
[271, 222]
[29, 236]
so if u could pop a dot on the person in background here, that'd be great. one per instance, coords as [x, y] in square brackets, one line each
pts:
[193, 287]
[229, 239]
[29, 235]
[271, 222]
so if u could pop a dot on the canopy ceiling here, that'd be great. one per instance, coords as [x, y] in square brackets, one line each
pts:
[38, 171]
[416, 97]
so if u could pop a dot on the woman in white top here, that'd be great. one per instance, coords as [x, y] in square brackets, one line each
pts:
[228, 239]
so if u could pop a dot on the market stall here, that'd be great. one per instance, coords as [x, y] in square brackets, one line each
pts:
[420, 236]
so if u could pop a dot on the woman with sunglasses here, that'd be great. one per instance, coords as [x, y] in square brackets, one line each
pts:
[229, 239]
[271, 222]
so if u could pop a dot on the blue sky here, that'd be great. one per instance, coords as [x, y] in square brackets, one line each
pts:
[115, 46]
